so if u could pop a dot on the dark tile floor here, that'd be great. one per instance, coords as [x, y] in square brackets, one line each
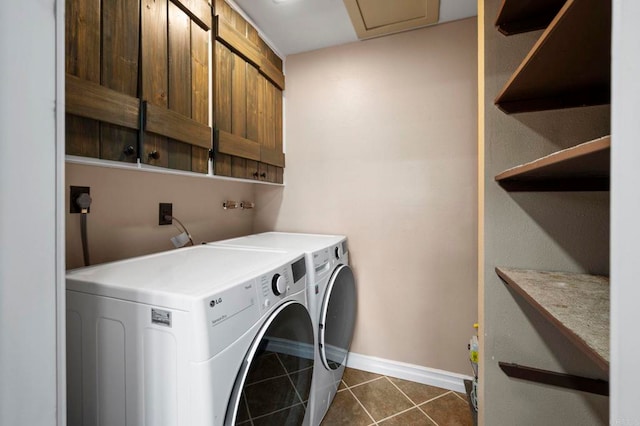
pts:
[371, 399]
[276, 391]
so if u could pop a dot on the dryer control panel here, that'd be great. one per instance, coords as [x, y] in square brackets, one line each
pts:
[324, 260]
[279, 283]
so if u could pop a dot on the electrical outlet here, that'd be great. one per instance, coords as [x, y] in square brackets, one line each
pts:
[166, 209]
[74, 193]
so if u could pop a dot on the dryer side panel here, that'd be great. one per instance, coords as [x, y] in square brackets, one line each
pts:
[125, 366]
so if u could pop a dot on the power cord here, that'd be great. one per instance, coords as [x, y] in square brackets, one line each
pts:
[179, 240]
[84, 202]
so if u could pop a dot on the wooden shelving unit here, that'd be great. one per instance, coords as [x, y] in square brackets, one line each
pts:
[577, 304]
[520, 16]
[569, 65]
[585, 167]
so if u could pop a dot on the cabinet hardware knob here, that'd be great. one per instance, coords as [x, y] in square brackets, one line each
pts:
[129, 150]
[255, 175]
[154, 155]
[263, 175]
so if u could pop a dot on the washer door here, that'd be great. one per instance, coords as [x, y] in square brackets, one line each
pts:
[337, 317]
[274, 381]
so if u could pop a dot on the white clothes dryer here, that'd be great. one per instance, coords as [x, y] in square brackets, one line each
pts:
[197, 336]
[332, 304]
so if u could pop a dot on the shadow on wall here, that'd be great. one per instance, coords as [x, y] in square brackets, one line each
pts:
[564, 128]
[577, 221]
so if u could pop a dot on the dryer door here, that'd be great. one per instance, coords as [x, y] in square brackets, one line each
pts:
[337, 317]
[274, 381]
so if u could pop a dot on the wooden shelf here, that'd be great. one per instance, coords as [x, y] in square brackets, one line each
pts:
[520, 16]
[585, 167]
[577, 304]
[569, 66]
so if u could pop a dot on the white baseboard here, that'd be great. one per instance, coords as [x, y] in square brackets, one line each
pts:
[402, 370]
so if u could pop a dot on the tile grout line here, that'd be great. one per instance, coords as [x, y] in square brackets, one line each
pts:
[414, 404]
[363, 383]
[431, 400]
[398, 413]
[363, 407]
[291, 382]
[246, 406]
[428, 416]
[276, 411]
[401, 391]
[251, 418]
[464, 399]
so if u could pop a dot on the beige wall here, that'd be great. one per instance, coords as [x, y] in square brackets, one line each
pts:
[381, 146]
[124, 213]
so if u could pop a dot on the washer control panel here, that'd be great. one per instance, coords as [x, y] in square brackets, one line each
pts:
[279, 283]
[230, 311]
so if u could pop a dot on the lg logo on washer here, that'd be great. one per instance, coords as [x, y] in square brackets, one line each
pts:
[215, 302]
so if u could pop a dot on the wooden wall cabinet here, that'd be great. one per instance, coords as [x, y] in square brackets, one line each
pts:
[248, 84]
[137, 84]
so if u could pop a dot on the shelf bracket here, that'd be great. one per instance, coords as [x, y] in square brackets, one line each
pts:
[568, 381]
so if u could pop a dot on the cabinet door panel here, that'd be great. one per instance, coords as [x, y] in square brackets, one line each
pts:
[155, 73]
[222, 102]
[179, 155]
[198, 10]
[278, 119]
[168, 51]
[239, 168]
[252, 170]
[82, 39]
[253, 110]
[223, 165]
[270, 116]
[239, 97]
[120, 35]
[81, 136]
[179, 33]
[82, 59]
[252, 103]
[118, 143]
[199, 91]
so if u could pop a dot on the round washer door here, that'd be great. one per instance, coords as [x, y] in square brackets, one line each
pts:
[274, 381]
[337, 317]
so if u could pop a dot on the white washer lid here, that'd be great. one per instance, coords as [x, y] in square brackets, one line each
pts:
[177, 278]
[307, 243]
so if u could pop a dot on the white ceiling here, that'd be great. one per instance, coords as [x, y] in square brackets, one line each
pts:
[295, 26]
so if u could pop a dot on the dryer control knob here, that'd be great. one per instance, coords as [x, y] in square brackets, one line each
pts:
[337, 252]
[278, 285]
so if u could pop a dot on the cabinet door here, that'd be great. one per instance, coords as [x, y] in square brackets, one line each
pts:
[102, 68]
[133, 62]
[248, 104]
[175, 87]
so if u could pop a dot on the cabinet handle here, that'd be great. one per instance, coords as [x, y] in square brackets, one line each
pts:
[130, 150]
[154, 155]
[255, 175]
[263, 175]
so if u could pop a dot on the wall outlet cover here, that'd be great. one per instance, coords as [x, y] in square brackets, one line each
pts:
[74, 193]
[166, 209]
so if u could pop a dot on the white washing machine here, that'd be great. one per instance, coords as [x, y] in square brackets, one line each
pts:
[199, 336]
[332, 303]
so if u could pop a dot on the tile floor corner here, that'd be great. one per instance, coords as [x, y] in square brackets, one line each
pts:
[371, 399]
